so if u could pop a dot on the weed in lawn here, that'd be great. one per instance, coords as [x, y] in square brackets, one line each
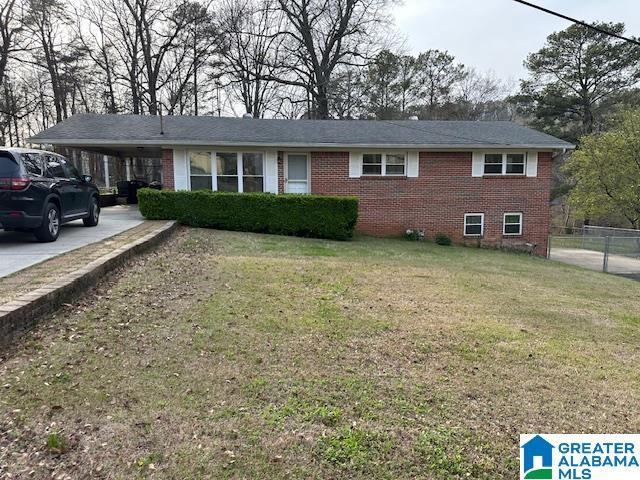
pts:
[57, 443]
[147, 463]
[451, 453]
[355, 448]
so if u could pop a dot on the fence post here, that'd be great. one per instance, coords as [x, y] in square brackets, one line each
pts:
[605, 260]
[549, 247]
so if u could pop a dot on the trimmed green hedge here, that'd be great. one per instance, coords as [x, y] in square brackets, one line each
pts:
[300, 215]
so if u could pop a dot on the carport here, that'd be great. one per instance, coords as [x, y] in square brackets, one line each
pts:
[109, 165]
[135, 154]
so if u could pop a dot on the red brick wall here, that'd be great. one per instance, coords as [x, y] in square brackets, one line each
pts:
[167, 169]
[438, 198]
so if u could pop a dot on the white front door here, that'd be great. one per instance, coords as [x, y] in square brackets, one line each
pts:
[297, 173]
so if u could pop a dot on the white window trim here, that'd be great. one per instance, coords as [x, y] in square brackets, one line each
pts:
[241, 174]
[464, 227]
[504, 164]
[214, 167]
[212, 163]
[504, 224]
[383, 167]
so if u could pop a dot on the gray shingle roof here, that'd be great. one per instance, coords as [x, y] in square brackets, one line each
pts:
[92, 129]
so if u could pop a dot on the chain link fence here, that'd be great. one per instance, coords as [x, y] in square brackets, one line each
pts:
[612, 250]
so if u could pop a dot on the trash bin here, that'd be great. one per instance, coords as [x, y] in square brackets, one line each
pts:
[134, 186]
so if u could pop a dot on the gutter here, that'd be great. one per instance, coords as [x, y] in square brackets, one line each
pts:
[199, 143]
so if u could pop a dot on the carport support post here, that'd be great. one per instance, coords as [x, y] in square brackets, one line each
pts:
[605, 260]
[105, 159]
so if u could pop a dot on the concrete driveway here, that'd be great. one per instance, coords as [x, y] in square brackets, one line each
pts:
[618, 264]
[21, 250]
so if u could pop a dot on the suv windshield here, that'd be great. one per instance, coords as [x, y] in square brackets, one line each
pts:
[8, 166]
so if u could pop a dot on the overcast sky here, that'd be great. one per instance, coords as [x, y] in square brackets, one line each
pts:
[498, 34]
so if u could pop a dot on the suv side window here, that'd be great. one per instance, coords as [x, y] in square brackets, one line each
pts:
[55, 166]
[32, 163]
[71, 171]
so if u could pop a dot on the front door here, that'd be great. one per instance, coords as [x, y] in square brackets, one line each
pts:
[297, 175]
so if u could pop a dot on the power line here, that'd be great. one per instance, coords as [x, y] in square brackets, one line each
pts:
[579, 22]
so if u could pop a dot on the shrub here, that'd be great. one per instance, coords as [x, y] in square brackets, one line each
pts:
[442, 239]
[299, 215]
[414, 234]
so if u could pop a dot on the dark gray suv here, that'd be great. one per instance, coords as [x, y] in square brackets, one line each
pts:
[39, 191]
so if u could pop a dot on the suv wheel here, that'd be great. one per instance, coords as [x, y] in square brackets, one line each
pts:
[94, 214]
[50, 228]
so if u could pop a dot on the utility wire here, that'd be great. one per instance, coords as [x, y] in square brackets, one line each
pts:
[579, 22]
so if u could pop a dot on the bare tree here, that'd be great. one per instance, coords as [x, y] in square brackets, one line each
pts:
[9, 29]
[251, 53]
[92, 23]
[46, 21]
[324, 34]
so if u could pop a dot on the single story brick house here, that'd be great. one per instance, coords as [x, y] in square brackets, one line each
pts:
[478, 182]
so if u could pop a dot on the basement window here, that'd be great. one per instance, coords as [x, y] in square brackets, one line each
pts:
[512, 224]
[473, 224]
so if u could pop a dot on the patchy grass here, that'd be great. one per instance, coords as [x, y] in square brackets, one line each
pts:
[234, 355]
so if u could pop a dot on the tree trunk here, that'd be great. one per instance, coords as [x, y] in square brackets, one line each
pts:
[321, 103]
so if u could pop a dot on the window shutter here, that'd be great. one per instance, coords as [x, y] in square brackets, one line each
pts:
[180, 169]
[532, 164]
[477, 164]
[355, 165]
[413, 164]
[271, 171]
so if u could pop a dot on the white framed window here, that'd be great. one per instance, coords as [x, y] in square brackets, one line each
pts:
[226, 171]
[473, 224]
[200, 169]
[512, 223]
[384, 164]
[505, 163]
[252, 172]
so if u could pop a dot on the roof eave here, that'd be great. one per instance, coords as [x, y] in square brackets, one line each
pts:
[178, 143]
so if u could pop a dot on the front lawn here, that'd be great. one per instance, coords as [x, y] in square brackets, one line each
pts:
[235, 355]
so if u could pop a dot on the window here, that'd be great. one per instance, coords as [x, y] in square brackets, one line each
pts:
[515, 164]
[72, 171]
[504, 163]
[395, 164]
[252, 172]
[383, 164]
[55, 166]
[473, 224]
[32, 163]
[372, 164]
[493, 164]
[512, 224]
[200, 169]
[227, 170]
